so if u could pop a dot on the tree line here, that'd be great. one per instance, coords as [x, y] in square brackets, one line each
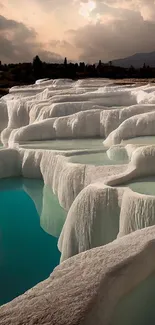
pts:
[26, 73]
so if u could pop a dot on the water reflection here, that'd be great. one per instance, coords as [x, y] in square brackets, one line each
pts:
[34, 188]
[28, 254]
[52, 215]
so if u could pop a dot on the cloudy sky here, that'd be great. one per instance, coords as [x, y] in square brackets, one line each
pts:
[84, 30]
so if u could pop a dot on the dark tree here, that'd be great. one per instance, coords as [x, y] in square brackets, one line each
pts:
[144, 66]
[65, 62]
[37, 67]
[82, 67]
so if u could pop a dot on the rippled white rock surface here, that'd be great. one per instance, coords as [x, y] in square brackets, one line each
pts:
[93, 144]
[100, 286]
[67, 109]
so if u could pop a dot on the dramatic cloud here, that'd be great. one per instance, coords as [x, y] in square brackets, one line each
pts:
[65, 48]
[86, 30]
[18, 43]
[48, 56]
[145, 7]
[119, 38]
[53, 4]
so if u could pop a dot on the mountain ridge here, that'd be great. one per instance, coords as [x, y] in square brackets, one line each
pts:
[137, 60]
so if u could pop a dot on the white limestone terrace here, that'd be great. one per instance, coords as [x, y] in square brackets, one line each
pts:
[101, 286]
[72, 115]
[93, 200]
[95, 210]
[107, 259]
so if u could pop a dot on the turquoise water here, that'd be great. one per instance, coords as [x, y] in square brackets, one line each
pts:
[52, 217]
[137, 306]
[144, 185]
[143, 140]
[28, 254]
[65, 144]
[98, 159]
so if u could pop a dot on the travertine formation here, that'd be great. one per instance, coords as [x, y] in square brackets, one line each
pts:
[115, 268]
[112, 284]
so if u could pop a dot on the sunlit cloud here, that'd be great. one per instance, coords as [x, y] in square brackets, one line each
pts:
[19, 43]
[86, 8]
[79, 29]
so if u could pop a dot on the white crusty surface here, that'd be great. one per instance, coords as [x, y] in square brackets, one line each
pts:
[106, 257]
[86, 289]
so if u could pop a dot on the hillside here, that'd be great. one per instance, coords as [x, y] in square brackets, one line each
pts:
[137, 60]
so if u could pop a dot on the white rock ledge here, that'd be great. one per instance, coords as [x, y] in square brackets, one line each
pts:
[97, 208]
[91, 287]
[113, 268]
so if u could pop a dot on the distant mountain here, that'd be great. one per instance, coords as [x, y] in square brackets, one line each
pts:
[137, 60]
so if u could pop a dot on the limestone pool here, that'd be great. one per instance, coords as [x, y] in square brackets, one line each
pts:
[143, 140]
[66, 144]
[96, 152]
[28, 254]
[97, 159]
[144, 185]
